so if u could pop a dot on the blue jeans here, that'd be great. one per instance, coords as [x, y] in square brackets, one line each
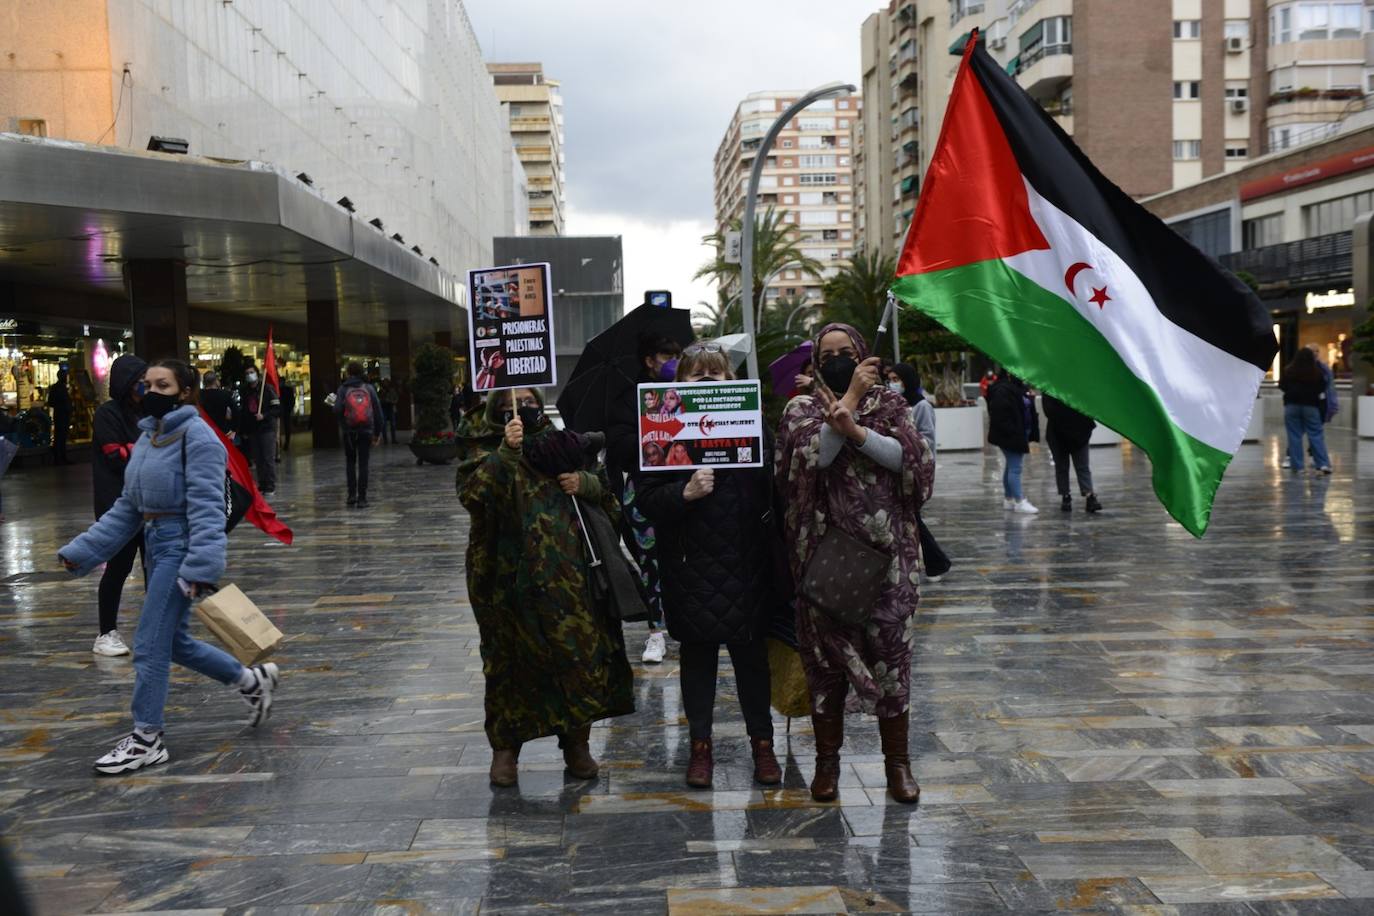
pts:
[1011, 475]
[1299, 419]
[164, 634]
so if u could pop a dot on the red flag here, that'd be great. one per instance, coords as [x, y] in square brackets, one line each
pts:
[259, 512]
[269, 367]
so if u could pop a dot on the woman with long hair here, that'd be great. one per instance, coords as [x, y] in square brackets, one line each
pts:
[849, 456]
[1304, 410]
[174, 494]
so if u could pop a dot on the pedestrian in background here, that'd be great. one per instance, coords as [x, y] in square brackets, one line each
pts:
[1304, 402]
[390, 397]
[1013, 425]
[359, 412]
[218, 404]
[718, 587]
[849, 456]
[553, 660]
[1068, 434]
[258, 424]
[60, 403]
[174, 492]
[115, 430]
[657, 355]
[906, 381]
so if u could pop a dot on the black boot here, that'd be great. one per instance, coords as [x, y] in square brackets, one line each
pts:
[1093, 504]
[1066, 503]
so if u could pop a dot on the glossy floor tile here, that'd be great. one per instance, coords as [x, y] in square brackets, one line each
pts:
[1108, 716]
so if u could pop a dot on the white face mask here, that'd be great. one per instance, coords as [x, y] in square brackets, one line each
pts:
[251, 377]
[897, 387]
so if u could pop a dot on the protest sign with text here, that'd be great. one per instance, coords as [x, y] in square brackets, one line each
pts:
[686, 425]
[510, 327]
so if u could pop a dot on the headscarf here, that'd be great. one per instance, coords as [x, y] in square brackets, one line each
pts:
[856, 340]
[911, 382]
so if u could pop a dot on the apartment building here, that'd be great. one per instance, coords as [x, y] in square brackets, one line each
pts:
[533, 106]
[808, 178]
[1159, 95]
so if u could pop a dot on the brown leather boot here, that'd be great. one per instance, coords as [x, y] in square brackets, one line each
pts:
[896, 760]
[577, 753]
[700, 766]
[829, 736]
[766, 769]
[503, 768]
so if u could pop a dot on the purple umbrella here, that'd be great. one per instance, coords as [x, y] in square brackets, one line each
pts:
[785, 369]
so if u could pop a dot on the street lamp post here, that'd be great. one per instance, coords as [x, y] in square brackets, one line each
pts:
[751, 199]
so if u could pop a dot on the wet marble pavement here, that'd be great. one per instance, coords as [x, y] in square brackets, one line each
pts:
[1108, 716]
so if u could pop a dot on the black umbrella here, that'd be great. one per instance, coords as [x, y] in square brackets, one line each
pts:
[609, 366]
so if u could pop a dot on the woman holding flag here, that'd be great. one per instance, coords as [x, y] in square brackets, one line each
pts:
[849, 457]
[174, 494]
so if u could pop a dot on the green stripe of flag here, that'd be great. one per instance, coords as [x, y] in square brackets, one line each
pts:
[1019, 323]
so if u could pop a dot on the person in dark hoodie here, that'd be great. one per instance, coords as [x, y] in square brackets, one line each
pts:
[258, 422]
[359, 411]
[60, 403]
[218, 404]
[114, 434]
[1013, 425]
[1067, 433]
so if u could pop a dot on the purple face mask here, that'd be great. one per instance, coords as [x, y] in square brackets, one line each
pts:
[668, 371]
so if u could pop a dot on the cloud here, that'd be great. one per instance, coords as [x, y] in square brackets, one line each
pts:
[659, 254]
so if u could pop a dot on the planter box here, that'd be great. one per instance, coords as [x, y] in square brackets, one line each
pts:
[1105, 436]
[1366, 419]
[959, 428]
[439, 453]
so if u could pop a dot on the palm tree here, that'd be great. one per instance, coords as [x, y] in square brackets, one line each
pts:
[776, 245]
[857, 294]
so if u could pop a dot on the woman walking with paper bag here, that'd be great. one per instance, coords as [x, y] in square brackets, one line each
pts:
[174, 494]
[554, 661]
[854, 472]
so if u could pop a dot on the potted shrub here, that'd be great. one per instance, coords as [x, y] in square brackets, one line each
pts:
[1362, 351]
[432, 388]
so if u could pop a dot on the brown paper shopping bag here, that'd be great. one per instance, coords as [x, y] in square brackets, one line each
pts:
[236, 621]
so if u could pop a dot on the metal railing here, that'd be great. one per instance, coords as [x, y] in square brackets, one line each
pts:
[1315, 260]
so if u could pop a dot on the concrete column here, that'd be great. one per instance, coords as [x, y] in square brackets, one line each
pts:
[398, 345]
[322, 343]
[1362, 273]
[157, 307]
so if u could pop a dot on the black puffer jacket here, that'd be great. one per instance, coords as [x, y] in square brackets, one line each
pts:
[115, 430]
[715, 553]
[1065, 427]
[1007, 426]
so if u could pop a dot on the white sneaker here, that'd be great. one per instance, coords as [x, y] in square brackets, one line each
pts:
[259, 696]
[133, 753]
[654, 648]
[1024, 507]
[1008, 504]
[109, 644]
[1286, 462]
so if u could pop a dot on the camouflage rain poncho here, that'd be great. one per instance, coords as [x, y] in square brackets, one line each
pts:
[553, 661]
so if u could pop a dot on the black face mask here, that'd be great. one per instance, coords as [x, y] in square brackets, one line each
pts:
[159, 405]
[837, 372]
[532, 417]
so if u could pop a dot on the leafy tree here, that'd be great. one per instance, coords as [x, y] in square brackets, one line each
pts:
[857, 294]
[776, 245]
[432, 389]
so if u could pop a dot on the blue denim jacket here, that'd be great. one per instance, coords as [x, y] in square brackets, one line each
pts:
[155, 483]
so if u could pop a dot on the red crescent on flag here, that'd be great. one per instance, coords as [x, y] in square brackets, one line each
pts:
[1072, 273]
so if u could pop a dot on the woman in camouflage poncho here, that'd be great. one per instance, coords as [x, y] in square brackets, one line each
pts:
[554, 662]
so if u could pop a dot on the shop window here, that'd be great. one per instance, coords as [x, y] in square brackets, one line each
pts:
[1336, 215]
[33, 127]
[1262, 231]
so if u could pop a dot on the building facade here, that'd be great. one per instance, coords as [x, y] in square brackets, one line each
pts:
[588, 277]
[1159, 95]
[1285, 224]
[534, 110]
[327, 168]
[808, 178]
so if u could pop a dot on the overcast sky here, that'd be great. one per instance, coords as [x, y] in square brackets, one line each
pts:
[648, 89]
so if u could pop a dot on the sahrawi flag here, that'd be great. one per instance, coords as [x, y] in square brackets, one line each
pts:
[1020, 246]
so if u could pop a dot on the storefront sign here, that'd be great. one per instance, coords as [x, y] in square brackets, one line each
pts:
[1331, 299]
[1309, 174]
[9, 324]
[686, 425]
[510, 327]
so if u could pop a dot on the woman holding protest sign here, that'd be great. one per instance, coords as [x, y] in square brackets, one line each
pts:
[714, 535]
[554, 662]
[854, 472]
